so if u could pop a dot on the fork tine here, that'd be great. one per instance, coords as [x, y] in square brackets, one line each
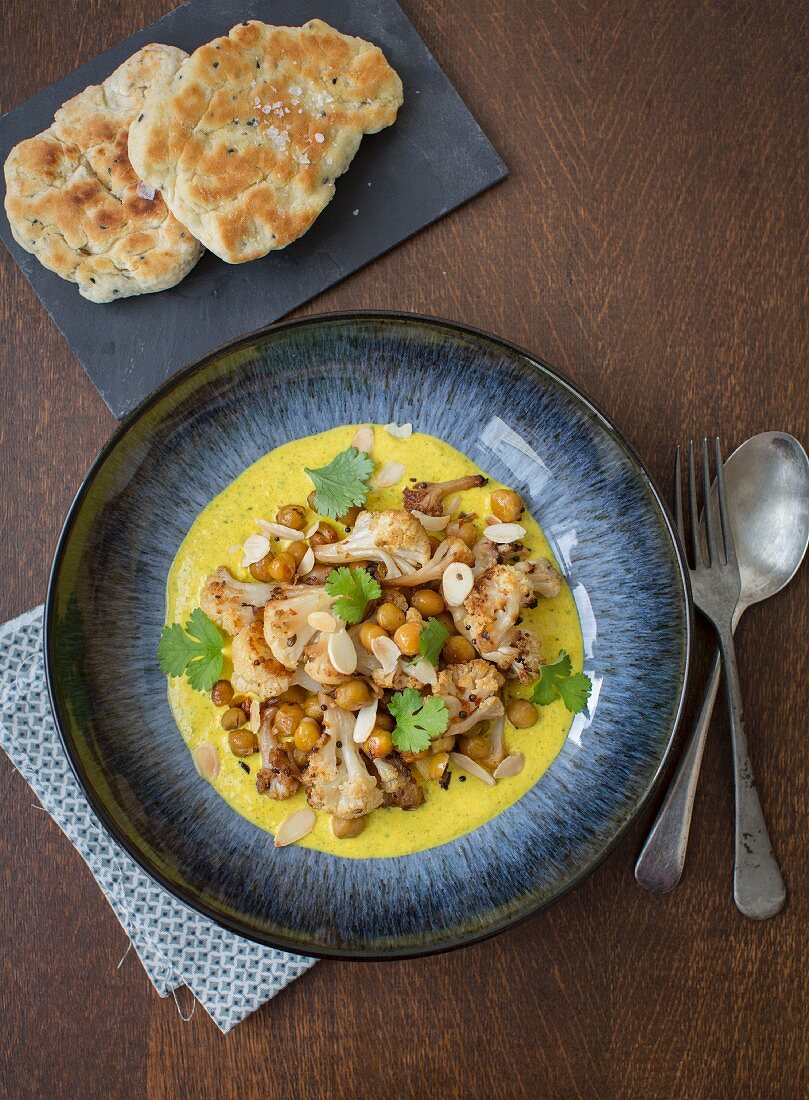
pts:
[727, 529]
[692, 505]
[678, 496]
[707, 508]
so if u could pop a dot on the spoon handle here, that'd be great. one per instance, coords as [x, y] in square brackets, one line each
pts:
[662, 858]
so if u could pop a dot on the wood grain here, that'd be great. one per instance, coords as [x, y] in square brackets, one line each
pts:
[650, 241]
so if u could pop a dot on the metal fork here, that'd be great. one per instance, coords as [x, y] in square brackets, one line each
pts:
[758, 888]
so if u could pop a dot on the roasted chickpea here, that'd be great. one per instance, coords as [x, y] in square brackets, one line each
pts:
[443, 744]
[297, 550]
[353, 694]
[468, 532]
[294, 694]
[350, 517]
[260, 570]
[436, 765]
[521, 713]
[344, 828]
[384, 721]
[368, 632]
[411, 757]
[407, 638]
[324, 535]
[477, 748]
[507, 505]
[222, 693]
[287, 718]
[242, 742]
[447, 621]
[458, 649]
[311, 708]
[233, 718]
[307, 735]
[379, 743]
[390, 617]
[427, 602]
[292, 515]
[282, 567]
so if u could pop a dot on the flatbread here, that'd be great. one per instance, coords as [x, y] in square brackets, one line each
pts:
[247, 141]
[74, 200]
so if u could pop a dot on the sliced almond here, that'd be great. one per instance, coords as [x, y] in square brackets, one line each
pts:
[424, 672]
[342, 653]
[311, 529]
[206, 760]
[457, 583]
[255, 715]
[390, 474]
[295, 827]
[364, 439]
[387, 653]
[504, 532]
[467, 764]
[322, 620]
[399, 431]
[452, 504]
[280, 530]
[512, 765]
[431, 523]
[255, 548]
[307, 563]
[366, 720]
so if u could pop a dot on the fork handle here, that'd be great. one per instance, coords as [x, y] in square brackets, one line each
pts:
[758, 888]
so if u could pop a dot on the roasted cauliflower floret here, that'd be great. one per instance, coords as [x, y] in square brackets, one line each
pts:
[254, 667]
[317, 662]
[232, 604]
[493, 607]
[543, 577]
[336, 780]
[286, 615]
[468, 684]
[278, 777]
[399, 788]
[394, 538]
[527, 659]
[428, 496]
[448, 553]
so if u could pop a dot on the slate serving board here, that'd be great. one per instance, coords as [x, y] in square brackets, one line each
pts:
[431, 160]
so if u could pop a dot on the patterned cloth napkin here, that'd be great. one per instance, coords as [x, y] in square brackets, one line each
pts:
[176, 945]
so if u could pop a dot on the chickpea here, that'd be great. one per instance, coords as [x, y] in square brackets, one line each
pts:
[345, 828]
[410, 757]
[521, 713]
[282, 567]
[222, 693]
[311, 708]
[427, 602]
[476, 748]
[294, 694]
[260, 570]
[437, 764]
[307, 735]
[300, 758]
[507, 505]
[468, 533]
[287, 718]
[447, 621]
[350, 517]
[443, 744]
[379, 743]
[384, 721]
[390, 617]
[368, 632]
[457, 650]
[407, 638]
[242, 742]
[324, 535]
[292, 515]
[297, 550]
[233, 718]
[353, 694]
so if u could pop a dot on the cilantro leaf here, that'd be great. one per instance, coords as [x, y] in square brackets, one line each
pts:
[354, 590]
[556, 681]
[195, 651]
[340, 485]
[431, 640]
[418, 720]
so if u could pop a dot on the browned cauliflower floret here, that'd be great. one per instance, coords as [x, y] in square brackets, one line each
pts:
[286, 619]
[399, 788]
[279, 776]
[317, 662]
[493, 607]
[543, 577]
[254, 667]
[428, 496]
[470, 683]
[527, 659]
[448, 553]
[336, 780]
[394, 538]
[232, 604]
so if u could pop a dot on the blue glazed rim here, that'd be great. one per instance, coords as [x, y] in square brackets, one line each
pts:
[186, 897]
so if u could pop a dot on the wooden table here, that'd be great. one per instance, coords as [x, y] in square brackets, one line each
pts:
[649, 242]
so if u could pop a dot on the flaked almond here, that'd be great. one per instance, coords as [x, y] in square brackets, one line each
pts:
[311, 529]
[364, 439]
[399, 431]
[424, 672]
[280, 530]
[366, 720]
[512, 765]
[471, 767]
[387, 653]
[322, 620]
[206, 760]
[457, 583]
[307, 563]
[255, 548]
[504, 532]
[255, 715]
[431, 523]
[390, 474]
[452, 504]
[342, 653]
[295, 827]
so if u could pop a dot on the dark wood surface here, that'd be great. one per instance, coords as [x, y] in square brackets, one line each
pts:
[651, 242]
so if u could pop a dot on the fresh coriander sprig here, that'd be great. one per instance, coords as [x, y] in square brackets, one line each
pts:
[340, 486]
[195, 652]
[418, 720]
[431, 640]
[556, 680]
[354, 590]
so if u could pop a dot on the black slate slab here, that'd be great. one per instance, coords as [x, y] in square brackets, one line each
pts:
[432, 159]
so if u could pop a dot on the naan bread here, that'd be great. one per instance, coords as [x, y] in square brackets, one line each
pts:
[247, 141]
[74, 200]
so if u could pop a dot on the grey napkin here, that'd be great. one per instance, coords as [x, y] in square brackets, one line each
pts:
[228, 975]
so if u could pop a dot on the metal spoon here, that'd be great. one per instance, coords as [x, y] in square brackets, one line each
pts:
[767, 482]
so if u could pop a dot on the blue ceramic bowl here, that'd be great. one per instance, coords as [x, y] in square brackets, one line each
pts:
[528, 427]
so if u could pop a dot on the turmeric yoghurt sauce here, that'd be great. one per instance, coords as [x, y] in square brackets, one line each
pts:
[352, 652]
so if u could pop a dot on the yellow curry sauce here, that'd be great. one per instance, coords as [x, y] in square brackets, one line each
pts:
[278, 479]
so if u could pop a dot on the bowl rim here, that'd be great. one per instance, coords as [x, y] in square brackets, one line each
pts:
[184, 896]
